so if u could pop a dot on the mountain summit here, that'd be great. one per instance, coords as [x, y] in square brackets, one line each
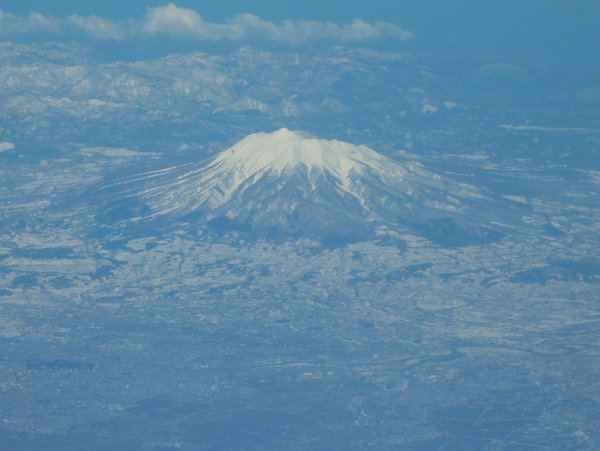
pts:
[286, 150]
[291, 183]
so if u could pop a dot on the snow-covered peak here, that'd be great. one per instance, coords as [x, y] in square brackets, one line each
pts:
[283, 149]
[292, 182]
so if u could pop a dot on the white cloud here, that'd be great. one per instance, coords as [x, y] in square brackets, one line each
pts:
[251, 26]
[33, 23]
[182, 22]
[93, 26]
[97, 27]
[178, 23]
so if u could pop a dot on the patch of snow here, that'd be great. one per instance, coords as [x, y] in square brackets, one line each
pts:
[286, 149]
[9, 329]
[465, 156]
[519, 199]
[5, 145]
[113, 152]
[428, 109]
[548, 129]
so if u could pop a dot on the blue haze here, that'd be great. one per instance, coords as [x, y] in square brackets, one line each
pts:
[446, 298]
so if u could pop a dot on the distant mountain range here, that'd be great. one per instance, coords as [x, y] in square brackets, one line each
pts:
[289, 183]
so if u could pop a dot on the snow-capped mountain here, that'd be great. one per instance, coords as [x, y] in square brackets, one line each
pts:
[290, 182]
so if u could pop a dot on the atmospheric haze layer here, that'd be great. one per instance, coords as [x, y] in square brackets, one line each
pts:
[420, 269]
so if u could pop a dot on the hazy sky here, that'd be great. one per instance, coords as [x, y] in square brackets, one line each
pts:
[540, 29]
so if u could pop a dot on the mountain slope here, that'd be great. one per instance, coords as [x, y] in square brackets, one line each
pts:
[292, 183]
